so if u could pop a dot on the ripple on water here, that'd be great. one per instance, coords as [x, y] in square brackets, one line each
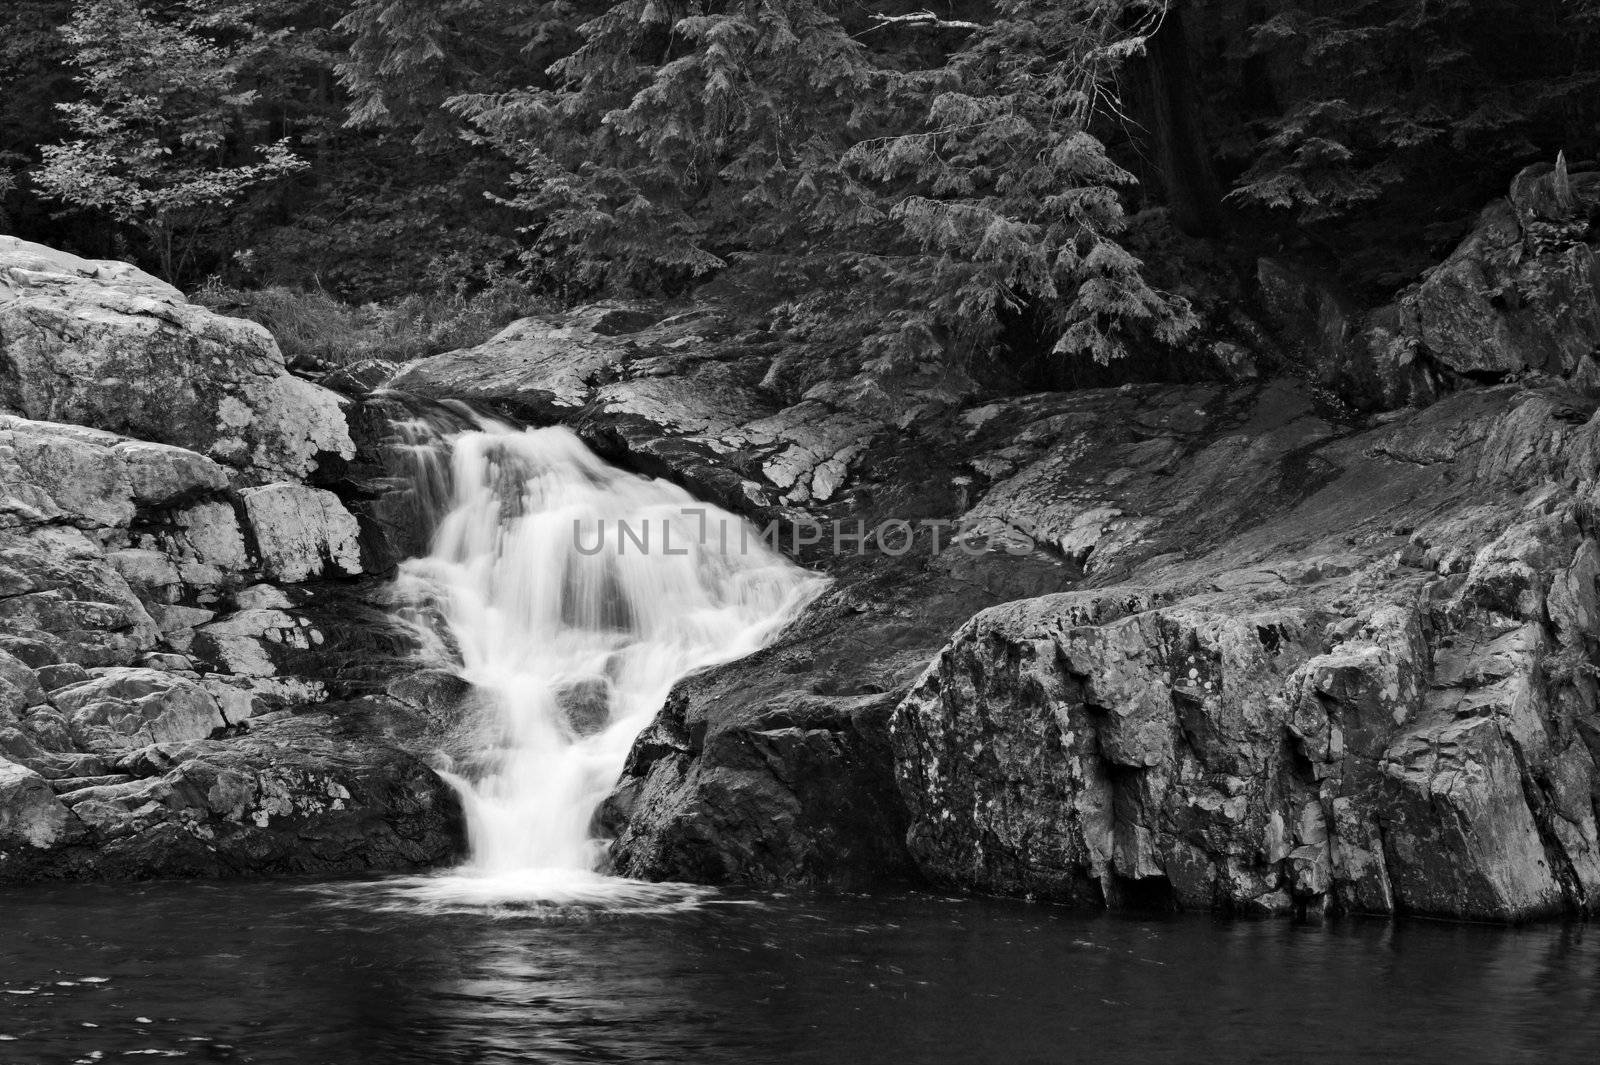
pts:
[548, 894]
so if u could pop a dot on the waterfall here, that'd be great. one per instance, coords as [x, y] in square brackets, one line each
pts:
[574, 595]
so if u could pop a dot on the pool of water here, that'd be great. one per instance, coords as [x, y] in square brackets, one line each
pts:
[351, 973]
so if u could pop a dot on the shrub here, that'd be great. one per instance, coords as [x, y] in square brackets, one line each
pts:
[316, 331]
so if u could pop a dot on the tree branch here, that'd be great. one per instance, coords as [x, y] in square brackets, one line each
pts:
[921, 20]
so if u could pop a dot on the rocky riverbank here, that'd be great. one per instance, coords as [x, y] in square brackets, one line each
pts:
[1315, 633]
[177, 694]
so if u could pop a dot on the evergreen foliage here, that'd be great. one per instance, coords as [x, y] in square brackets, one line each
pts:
[681, 137]
[1391, 112]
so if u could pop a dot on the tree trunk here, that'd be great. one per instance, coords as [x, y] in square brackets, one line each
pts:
[1176, 138]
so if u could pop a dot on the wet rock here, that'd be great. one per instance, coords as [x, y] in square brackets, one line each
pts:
[586, 706]
[362, 377]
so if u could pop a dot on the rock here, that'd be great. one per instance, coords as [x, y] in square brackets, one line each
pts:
[207, 544]
[304, 794]
[148, 675]
[246, 642]
[31, 817]
[62, 473]
[61, 675]
[362, 377]
[1363, 355]
[682, 397]
[126, 708]
[38, 649]
[161, 474]
[107, 346]
[1518, 295]
[77, 600]
[1187, 733]
[302, 532]
[19, 685]
[1499, 304]
[586, 705]
[1233, 656]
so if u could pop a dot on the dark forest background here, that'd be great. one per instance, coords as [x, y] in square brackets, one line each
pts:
[1071, 179]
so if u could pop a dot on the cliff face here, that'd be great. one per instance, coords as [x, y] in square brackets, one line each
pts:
[1307, 668]
[176, 600]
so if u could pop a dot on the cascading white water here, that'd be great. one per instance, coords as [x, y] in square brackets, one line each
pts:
[576, 594]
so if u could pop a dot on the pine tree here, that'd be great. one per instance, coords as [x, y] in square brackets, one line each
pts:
[682, 137]
[1007, 194]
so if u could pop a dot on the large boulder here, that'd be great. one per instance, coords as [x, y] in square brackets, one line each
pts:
[1520, 294]
[92, 478]
[302, 532]
[126, 708]
[105, 345]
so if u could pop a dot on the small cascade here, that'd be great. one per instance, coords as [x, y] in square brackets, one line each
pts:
[575, 595]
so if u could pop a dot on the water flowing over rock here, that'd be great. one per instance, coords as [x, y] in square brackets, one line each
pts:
[574, 595]
[1256, 659]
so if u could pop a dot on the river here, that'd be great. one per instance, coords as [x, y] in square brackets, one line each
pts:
[355, 972]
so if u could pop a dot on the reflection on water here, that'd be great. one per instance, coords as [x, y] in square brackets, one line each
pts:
[297, 973]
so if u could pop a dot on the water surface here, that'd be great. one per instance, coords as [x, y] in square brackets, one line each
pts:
[347, 973]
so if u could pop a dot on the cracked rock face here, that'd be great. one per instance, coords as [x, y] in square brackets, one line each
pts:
[1376, 697]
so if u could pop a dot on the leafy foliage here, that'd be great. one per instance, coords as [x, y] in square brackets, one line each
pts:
[160, 104]
[1009, 197]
